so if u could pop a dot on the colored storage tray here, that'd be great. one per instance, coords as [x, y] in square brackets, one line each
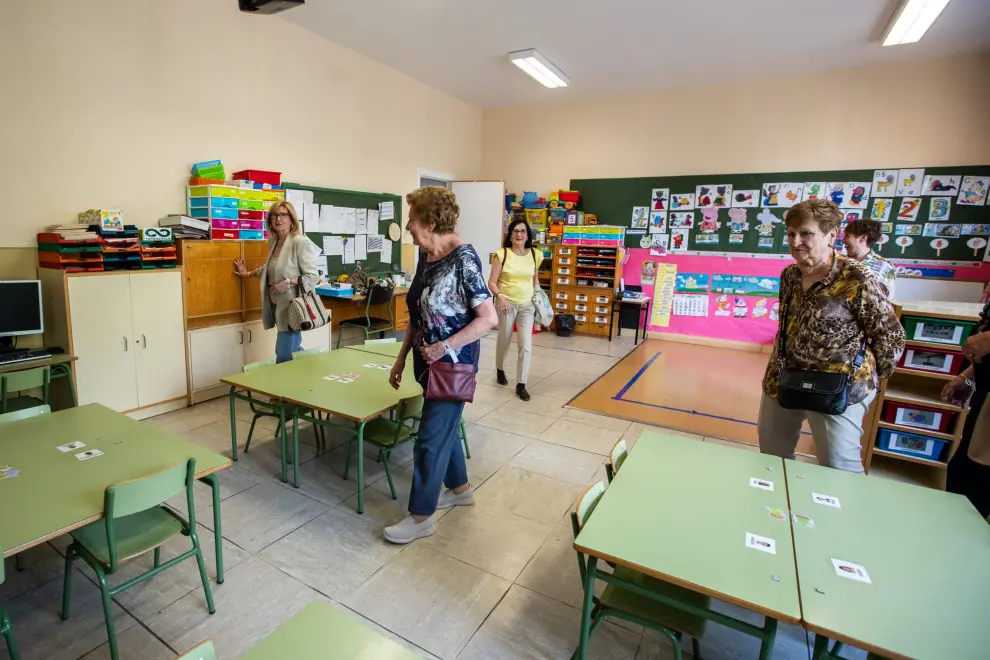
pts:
[225, 224]
[245, 214]
[931, 359]
[252, 204]
[909, 444]
[215, 202]
[225, 234]
[69, 247]
[272, 195]
[937, 331]
[252, 225]
[203, 181]
[224, 214]
[157, 264]
[51, 238]
[214, 191]
[250, 194]
[259, 176]
[920, 417]
[71, 261]
[250, 235]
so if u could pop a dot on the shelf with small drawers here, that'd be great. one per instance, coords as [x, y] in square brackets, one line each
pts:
[584, 283]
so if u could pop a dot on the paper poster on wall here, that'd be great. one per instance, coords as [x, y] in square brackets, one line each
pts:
[723, 306]
[679, 240]
[386, 251]
[882, 240]
[813, 190]
[851, 216]
[746, 199]
[321, 266]
[663, 295]
[976, 244]
[729, 284]
[337, 220]
[975, 230]
[738, 220]
[648, 274]
[311, 217]
[881, 210]
[768, 217]
[739, 308]
[887, 227]
[682, 202]
[904, 242]
[940, 209]
[760, 308]
[661, 199]
[859, 195]
[373, 221]
[386, 210]
[784, 195]
[348, 256]
[941, 184]
[909, 209]
[658, 222]
[691, 283]
[707, 239]
[325, 222]
[909, 182]
[766, 242]
[709, 221]
[942, 230]
[907, 230]
[690, 305]
[683, 219]
[761, 286]
[884, 182]
[713, 196]
[375, 243]
[640, 217]
[362, 221]
[659, 245]
[737, 239]
[973, 191]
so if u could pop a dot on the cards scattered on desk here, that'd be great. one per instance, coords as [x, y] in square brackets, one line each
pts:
[851, 571]
[384, 367]
[761, 483]
[88, 454]
[776, 514]
[827, 500]
[7, 472]
[761, 543]
[804, 521]
[71, 446]
[345, 378]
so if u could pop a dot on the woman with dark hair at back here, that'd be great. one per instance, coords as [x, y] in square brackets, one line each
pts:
[513, 280]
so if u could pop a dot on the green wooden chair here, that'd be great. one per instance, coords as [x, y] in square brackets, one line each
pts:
[387, 433]
[204, 651]
[619, 603]
[318, 431]
[371, 325]
[259, 409]
[134, 523]
[5, 626]
[615, 459]
[19, 381]
[834, 654]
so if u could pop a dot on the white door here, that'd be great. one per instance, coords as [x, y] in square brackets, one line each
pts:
[103, 340]
[482, 206]
[156, 306]
[215, 353]
[259, 344]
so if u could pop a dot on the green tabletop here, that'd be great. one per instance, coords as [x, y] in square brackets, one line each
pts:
[56, 359]
[391, 349]
[321, 632]
[303, 381]
[55, 492]
[680, 510]
[926, 553]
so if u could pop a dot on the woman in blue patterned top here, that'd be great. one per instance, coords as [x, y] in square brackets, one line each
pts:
[450, 310]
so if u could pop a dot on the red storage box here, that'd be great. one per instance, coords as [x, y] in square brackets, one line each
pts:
[225, 234]
[247, 214]
[569, 196]
[919, 417]
[931, 359]
[260, 176]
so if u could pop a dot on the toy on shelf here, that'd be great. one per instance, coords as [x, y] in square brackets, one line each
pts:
[105, 219]
[566, 199]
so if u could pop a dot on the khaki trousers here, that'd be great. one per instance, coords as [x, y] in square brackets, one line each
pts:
[522, 316]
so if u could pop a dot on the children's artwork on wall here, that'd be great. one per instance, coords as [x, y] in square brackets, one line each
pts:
[658, 222]
[765, 229]
[976, 230]
[881, 241]
[760, 308]
[709, 220]
[881, 210]
[939, 244]
[737, 239]
[740, 309]
[940, 184]
[723, 307]
[649, 272]
[783, 195]
[691, 283]
[909, 208]
[682, 202]
[907, 230]
[645, 241]
[713, 196]
[659, 245]
[640, 217]
[762, 286]
[904, 242]
[835, 192]
[887, 227]
[746, 199]
[679, 240]
[973, 191]
[767, 217]
[884, 182]
[976, 244]
[738, 220]
[684, 219]
[661, 199]
[775, 311]
[813, 190]
[706, 239]
[942, 230]
[940, 209]
[909, 183]
[859, 195]
[851, 216]
[766, 243]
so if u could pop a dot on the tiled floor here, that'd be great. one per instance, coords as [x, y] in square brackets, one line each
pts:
[497, 581]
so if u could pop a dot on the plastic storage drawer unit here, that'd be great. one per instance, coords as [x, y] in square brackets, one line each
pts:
[909, 444]
[937, 331]
[921, 417]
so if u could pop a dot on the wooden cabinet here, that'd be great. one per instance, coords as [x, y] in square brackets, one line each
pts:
[255, 256]
[126, 330]
[211, 287]
[584, 280]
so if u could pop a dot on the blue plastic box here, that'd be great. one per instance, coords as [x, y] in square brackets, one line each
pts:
[910, 444]
[252, 235]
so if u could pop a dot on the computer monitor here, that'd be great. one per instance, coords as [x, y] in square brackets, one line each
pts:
[20, 308]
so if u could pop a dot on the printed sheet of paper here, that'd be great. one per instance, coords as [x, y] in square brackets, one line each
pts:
[326, 223]
[311, 217]
[360, 247]
[350, 221]
[387, 210]
[386, 251]
[337, 220]
[375, 242]
[296, 198]
[348, 250]
[362, 221]
[690, 305]
[333, 246]
[373, 221]
[663, 294]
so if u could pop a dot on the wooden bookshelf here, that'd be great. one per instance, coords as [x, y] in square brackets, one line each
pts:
[584, 281]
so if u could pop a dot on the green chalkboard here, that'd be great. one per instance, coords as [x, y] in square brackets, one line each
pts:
[358, 200]
[613, 200]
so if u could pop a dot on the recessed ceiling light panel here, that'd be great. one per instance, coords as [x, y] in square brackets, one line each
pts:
[539, 67]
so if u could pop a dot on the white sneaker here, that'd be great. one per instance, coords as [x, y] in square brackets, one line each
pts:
[409, 530]
[449, 498]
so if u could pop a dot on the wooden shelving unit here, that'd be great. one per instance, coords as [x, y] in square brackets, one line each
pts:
[919, 388]
[584, 281]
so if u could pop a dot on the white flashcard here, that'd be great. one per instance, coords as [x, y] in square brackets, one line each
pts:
[761, 543]
[761, 483]
[331, 377]
[851, 571]
[88, 454]
[827, 500]
[345, 380]
[370, 366]
[71, 446]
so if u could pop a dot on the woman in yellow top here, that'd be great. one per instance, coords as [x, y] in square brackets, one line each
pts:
[513, 281]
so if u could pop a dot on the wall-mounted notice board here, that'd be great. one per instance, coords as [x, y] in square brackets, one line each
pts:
[356, 200]
[936, 213]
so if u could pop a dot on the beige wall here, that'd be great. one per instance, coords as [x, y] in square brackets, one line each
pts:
[921, 114]
[106, 103]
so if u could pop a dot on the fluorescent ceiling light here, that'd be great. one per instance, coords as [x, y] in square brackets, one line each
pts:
[912, 21]
[540, 68]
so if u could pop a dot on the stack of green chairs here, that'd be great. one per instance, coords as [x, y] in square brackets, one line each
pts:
[19, 381]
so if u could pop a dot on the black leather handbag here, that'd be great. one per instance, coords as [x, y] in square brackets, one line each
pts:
[817, 391]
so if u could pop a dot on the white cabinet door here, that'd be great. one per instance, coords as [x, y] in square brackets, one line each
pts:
[156, 306]
[482, 209]
[259, 344]
[103, 340]
[215, 353]
[319, 338]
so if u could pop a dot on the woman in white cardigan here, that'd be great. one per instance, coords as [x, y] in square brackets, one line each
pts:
[290, 261]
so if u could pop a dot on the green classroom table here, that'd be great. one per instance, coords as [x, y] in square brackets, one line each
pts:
[321, 632]
[927, 555]
[301, 381]
[57, 493]
[670, 484]
[390, 349]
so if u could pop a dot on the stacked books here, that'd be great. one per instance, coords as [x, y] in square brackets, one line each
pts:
[183, 226]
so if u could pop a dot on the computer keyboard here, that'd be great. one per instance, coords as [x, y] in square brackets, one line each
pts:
[23, 356]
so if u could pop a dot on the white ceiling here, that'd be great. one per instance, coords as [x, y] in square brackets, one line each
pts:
[620, 46]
